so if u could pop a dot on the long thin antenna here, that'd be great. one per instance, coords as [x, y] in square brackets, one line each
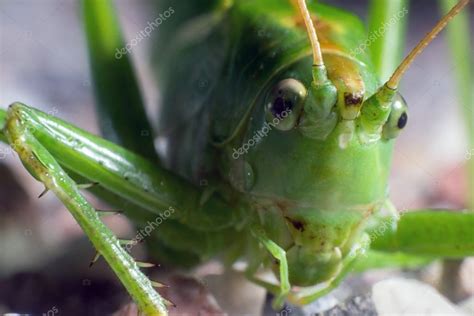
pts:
[322, 94]
[393, 82]
[313, 37]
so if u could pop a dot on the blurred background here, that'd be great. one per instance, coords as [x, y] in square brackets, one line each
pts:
[43, 63]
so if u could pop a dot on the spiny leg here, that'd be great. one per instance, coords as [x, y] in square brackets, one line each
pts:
[147, 187]
[43, 166]
[126, 174]
[117, 170]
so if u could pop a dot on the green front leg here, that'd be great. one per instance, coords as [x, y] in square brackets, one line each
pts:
[19, 132]
[279, 254]
[432, 233]
[48, 145]
[126, 174]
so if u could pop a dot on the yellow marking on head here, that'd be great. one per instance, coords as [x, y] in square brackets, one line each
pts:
[345, 75]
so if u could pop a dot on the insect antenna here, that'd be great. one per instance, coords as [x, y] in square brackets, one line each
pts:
[320, 77]
[322, 94]
[311, 30]
[376, 109]
[402, 68]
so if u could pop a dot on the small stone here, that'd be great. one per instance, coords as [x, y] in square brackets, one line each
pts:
[468, 305]
[408, 297]
[358, 305]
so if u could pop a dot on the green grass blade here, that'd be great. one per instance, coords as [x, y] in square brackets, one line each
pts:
[387, 28]
[459, 36]
[118, 99]
[437, 233]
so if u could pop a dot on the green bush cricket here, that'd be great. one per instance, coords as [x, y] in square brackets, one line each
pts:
[279, 146]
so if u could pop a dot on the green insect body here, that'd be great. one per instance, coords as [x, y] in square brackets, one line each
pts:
[275, 154]
[316, 211]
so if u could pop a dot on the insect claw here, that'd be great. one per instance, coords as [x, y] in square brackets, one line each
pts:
[169, 303]
[158, 284]
[145, 264]
[109, 212]
[94, 260]
[87, 185]
[125, 242]
[43, 193]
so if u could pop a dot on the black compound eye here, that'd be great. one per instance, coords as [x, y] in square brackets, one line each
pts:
[285, 104]
[398, 118]
[280, 105]
[403, 120]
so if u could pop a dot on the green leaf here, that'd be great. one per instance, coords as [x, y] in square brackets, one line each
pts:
[387, 28]
[118, 99]
[459, 39]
